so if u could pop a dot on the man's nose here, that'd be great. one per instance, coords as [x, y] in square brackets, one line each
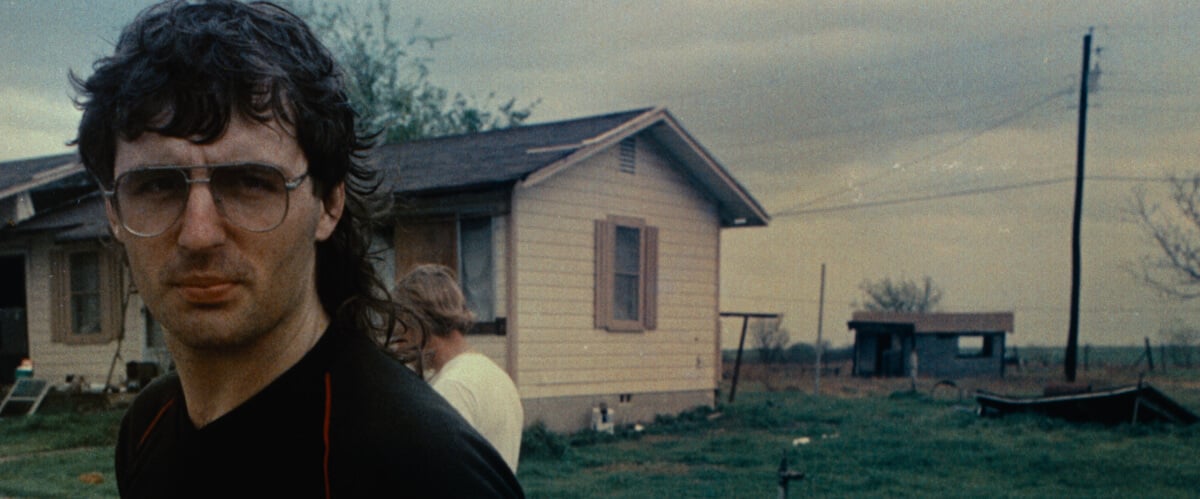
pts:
[201, 223]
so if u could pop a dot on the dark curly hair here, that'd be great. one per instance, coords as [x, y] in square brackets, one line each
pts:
[183, 68]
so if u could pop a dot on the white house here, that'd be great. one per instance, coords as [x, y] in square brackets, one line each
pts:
[589, 249]
[63, 289]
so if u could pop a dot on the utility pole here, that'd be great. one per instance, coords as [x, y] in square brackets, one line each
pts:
[1071, 358]
[820, 324]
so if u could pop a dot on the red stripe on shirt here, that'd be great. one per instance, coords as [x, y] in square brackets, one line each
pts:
[154, 422]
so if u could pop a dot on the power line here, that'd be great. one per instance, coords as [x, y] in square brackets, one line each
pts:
[968, 192]
[937, 152]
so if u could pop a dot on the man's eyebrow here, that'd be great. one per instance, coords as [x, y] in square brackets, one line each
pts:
[176, 166]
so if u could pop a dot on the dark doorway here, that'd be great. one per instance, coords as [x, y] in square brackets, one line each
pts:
[14, 339]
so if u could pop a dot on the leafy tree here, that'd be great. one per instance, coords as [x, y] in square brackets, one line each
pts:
[388, 77]
[904, 295]
[1174, 269]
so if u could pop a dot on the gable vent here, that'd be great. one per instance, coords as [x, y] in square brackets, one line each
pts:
[629, 155]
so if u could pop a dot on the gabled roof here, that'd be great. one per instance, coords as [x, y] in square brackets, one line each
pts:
[528, 155]
[27, 174]
[938, 322]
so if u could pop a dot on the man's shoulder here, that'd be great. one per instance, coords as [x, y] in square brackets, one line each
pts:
[388, 418]
[151, 405]
[473, 368]
[365, 378]
[163, 391]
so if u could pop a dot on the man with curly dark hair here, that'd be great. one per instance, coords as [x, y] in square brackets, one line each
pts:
[235, 182]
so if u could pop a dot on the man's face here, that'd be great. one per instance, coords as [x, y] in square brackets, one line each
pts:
[212, 284]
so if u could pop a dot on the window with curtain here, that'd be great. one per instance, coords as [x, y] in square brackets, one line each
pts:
[475, 266]
[464, 244]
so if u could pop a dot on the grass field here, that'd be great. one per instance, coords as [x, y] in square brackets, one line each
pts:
[859, 438]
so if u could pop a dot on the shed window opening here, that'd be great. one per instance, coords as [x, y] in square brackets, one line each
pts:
[974, 346]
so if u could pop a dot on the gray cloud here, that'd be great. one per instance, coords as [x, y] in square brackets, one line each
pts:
[968, 107]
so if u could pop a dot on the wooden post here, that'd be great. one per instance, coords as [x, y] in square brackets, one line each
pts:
[737, 364]
[1149, 353]
[1071, 359]
[820, 323]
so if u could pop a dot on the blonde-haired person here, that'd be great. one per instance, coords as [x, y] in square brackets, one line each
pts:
[434, 313]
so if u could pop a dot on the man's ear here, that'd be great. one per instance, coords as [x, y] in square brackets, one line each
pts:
[114, 223]
[332, 206]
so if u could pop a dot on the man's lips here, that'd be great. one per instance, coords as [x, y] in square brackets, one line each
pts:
[206, 291]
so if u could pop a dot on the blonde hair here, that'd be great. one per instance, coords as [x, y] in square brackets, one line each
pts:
[432, 291]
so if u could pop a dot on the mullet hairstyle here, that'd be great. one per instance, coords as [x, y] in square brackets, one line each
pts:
[183, 68]
[433, 290]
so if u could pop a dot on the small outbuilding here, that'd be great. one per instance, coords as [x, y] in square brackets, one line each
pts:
[943, 345]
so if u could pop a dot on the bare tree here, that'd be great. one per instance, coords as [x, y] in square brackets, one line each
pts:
[1180, 339]
[1174, 269]
[769, 339]
[904, 295]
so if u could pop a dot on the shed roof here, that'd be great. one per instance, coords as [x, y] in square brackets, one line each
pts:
[529, 154]
[938, 322]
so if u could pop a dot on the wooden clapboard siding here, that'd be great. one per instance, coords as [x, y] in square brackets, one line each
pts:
[54, 361]
[661, 371]
[585, 389]
[565, 348]
[573, 336]
[636, 360]
[493, 346]
[562, 354]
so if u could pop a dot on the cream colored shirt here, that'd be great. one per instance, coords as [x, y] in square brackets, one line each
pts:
[486, 397]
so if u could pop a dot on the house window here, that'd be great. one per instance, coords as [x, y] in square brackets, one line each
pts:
[475, 266]
[464, 244]
[87, 295]
[626, 275]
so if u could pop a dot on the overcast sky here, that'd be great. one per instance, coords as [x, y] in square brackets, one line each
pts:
[903, 139]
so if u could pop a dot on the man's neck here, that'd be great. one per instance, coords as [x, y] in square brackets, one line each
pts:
[447, 348]
[216, 382]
